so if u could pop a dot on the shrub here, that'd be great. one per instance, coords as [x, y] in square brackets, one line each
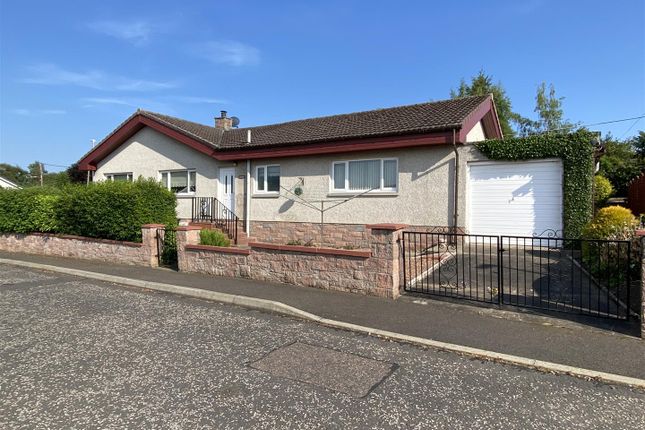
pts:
[115, 210]
[107, 210]
[612, 223]
[602, 189]
[28, 210]
[213, 238]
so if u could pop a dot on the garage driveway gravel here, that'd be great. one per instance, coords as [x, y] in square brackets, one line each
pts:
[86, 354]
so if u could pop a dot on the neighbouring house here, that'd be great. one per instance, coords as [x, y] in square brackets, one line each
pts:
[413, 165]
[6, 183]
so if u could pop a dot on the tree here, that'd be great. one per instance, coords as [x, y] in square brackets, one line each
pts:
[550, 115]
[621, 162]
[638, 143]
[15, 174]
[75, 175]
[481, 85]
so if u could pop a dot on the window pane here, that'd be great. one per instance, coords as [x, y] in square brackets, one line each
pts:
[273, 178]
[260, 178]
[389, 174]
[339, 176]
[364, 175]
[179, 182]
[193, 179]
[164, 179]
[121, 178]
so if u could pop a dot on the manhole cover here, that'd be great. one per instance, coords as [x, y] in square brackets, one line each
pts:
[327, 368]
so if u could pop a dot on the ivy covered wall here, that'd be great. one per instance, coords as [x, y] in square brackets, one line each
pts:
[576, 152]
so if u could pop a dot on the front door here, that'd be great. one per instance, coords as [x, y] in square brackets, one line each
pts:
[226, 187]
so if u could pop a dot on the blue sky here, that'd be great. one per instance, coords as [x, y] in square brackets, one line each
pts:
[71, 71]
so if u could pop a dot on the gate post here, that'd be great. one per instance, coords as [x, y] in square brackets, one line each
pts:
[642, 286]
[149, 240]
[188, 235]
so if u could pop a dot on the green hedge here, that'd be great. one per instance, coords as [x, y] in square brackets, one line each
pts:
[107, 210]
[28, 210]
[575, 150]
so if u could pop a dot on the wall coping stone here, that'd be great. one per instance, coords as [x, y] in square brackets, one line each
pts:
[153, 226]
[188, 228]
[387, 226]
[82, 238]
[361, 253]
[222, 249]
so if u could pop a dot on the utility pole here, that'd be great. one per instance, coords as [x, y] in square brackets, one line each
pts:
[40, 165]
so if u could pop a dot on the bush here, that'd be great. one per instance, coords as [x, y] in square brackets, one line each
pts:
[602, 189]
[106, 210]
[213, 238]
[29, 210]
[612, 223]
[115, 210]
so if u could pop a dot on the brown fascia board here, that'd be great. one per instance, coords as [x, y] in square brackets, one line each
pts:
[485, 112]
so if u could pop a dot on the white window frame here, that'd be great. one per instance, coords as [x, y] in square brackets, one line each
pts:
[188, 172]
[265, 191]
[381, 190]
[110, 176]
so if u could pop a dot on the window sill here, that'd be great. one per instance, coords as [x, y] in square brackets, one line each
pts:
[266, 195]
[185, 195]
[371, 194]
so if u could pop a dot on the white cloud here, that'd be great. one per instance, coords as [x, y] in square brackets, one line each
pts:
[32, 112]
[135, 32]
[196, 100]
[51, 74]
[227, 52]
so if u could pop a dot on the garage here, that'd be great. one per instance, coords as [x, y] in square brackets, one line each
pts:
[522, 198]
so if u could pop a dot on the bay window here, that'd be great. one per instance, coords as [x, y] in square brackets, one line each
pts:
[357, 176]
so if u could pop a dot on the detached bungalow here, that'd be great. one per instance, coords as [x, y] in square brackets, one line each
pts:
[409, 164]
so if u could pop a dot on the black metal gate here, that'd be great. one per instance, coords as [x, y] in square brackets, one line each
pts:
[167, 247]
[589, 277]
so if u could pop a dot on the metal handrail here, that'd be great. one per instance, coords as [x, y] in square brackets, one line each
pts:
[209, 209]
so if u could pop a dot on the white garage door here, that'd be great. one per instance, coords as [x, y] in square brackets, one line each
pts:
[520, 198]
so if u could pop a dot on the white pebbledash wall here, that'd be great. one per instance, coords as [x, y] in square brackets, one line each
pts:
[424, 196]
[148, 152]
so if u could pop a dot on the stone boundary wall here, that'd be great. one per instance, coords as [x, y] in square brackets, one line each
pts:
[642, 289]
[86, 248]
[334, 235]
[371, 271]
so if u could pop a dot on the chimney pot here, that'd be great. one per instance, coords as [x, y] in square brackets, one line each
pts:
[222, 114]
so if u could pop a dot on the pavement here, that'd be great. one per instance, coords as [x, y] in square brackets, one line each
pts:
[82, 353]
[592, 343]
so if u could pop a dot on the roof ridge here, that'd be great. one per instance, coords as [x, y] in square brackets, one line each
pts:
[366, 111]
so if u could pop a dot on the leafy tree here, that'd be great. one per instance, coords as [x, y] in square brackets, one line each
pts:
[75, 175]
[15, 174]
[482, 84]
[638, 143]
[621, 163]
[550, 115]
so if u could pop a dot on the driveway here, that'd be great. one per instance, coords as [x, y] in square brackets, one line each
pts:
[532, 276]
[81, 354]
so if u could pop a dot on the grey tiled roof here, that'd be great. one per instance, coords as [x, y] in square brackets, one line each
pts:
[417, 118]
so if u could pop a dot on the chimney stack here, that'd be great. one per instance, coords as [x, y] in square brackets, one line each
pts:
[223, 122]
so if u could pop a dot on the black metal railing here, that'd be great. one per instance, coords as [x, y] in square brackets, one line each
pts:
[583, 276]
[589, 277]
[211, 210]
[451, 265]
